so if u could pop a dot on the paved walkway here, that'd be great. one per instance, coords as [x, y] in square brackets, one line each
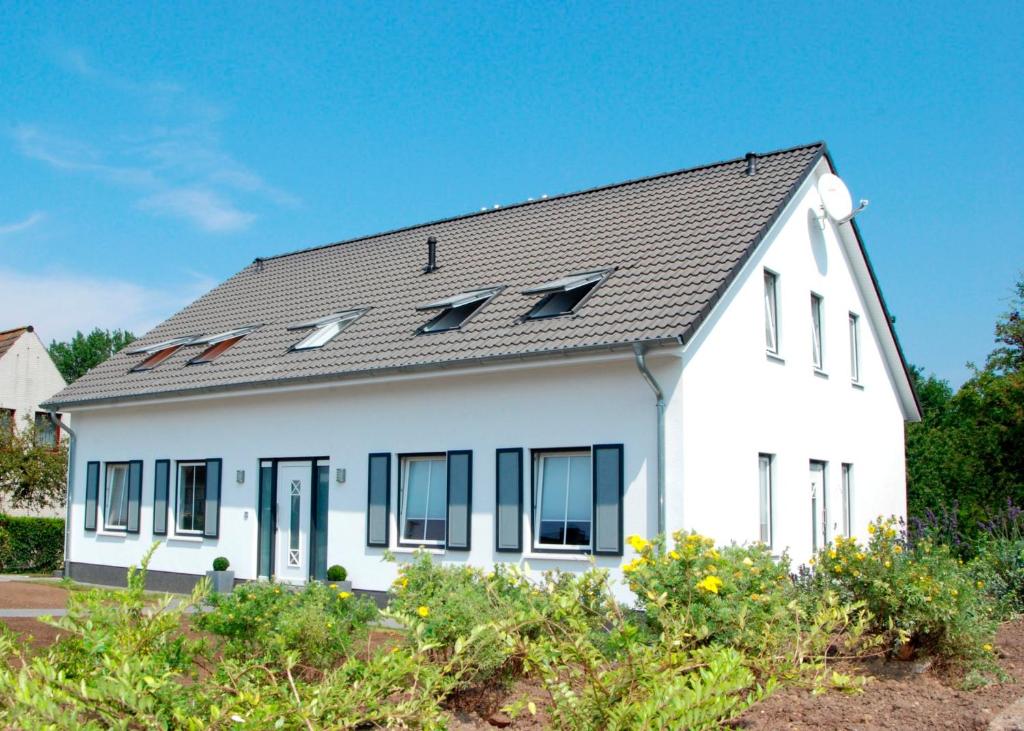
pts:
[32, 613]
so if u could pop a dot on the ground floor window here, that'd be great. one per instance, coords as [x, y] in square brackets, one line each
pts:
[116, 507]
[424, 498]
[191, 497]
[847, 498]
[564, 503]
[765, 498]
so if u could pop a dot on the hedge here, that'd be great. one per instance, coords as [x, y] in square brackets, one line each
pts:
[31, 545]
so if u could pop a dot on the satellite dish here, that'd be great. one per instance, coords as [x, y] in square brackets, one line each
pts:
[835, 197]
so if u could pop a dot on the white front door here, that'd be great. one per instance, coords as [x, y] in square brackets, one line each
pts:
[291, 562]
[818, 506]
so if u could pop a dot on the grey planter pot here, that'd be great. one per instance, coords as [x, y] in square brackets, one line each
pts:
[342, 585]
[222, 582]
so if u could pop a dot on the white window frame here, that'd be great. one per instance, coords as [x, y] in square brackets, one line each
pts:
[766, 478]
[847, 498]
[123, 506]
[854, 347]
[538, 475]
[771, 311]
[817, 332]
[179, 492]
[404, 461]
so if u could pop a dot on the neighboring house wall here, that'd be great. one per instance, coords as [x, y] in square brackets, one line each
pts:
[28, 377]
[739, 402]
[555, 405]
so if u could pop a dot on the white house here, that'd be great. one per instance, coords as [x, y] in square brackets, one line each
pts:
[703, 349]
[27, 378]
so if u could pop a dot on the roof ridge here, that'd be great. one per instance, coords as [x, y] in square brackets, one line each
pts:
[23, 328]
[559, 196]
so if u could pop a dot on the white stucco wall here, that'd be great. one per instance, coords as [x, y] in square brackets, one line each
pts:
[28, 377]
[558, 405]
[738, 402]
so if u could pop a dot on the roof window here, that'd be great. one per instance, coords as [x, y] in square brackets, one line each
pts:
[157, 353]
[564, 296]
[217, 344]
[457, 309]
[325, 329]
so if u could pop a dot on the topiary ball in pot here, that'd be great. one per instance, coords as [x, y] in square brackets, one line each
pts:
[337, 573]
[221, 564]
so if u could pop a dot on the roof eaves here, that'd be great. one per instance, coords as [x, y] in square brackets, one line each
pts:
[539, 355]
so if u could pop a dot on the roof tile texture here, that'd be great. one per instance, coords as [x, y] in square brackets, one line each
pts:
[673, 240]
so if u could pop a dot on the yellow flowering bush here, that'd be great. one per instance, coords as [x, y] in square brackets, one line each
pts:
[917, 594]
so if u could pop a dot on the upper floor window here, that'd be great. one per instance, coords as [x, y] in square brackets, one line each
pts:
[217, 344]
[854, 348]
[424, 498]
[456, 310]
[565, 500]
[47, 434]
[817, 342]
[325, 329]
[771, 311]
[564, 296]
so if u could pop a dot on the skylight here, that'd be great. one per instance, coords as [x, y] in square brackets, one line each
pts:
[457, 309]
[217, 344]
[157, 353]
[325, 329]
[564, 296]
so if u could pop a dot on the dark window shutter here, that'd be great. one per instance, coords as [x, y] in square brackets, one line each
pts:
[378, 500]
[319, 528]
[460, 499]
[92, 491]
[211, 521]
[265, 557]
[508, 515]
[161, 480]
[608, 478]
[134, 495]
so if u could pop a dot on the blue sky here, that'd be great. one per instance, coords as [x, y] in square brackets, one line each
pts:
[148, 151]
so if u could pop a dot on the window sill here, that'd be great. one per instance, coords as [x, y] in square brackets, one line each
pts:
[820, 373]
[437, 551]
[556, 556]
[775, 357]
[185, 539]
[111, 533]
[856, 385]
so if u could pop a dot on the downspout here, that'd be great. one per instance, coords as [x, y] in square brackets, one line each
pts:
[641, 363]
[72, 438]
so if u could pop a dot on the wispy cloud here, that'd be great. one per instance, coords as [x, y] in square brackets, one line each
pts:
[175, 161]
[27, 223]
[74, 302]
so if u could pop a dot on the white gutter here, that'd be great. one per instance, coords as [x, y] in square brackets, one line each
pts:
[639, 351]
[72, 438]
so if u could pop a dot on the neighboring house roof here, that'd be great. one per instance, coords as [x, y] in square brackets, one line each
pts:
[674, 241]
[9, 337]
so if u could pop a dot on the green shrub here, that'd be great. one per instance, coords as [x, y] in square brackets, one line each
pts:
[337, 573]
[919, 595]
[998, 570]
[31, 545]
[221, 564]
[318, 623]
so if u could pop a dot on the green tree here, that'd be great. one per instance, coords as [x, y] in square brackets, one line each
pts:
[967, 450]
[75, 357]
[33, 474]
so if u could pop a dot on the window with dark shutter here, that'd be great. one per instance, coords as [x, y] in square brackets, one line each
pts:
[508, 516]
[134, 495]
[161, 482]
[378, 499]
[212, 513]
[460, 499]
[92, 491]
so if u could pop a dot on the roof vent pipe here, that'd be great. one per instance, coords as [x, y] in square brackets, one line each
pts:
[751, 163]
[431, 255]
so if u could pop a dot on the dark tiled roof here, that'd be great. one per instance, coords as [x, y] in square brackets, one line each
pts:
[674, 241]
[8, 338]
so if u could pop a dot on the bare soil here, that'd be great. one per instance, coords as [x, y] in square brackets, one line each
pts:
[897, 697]
[27, 595]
